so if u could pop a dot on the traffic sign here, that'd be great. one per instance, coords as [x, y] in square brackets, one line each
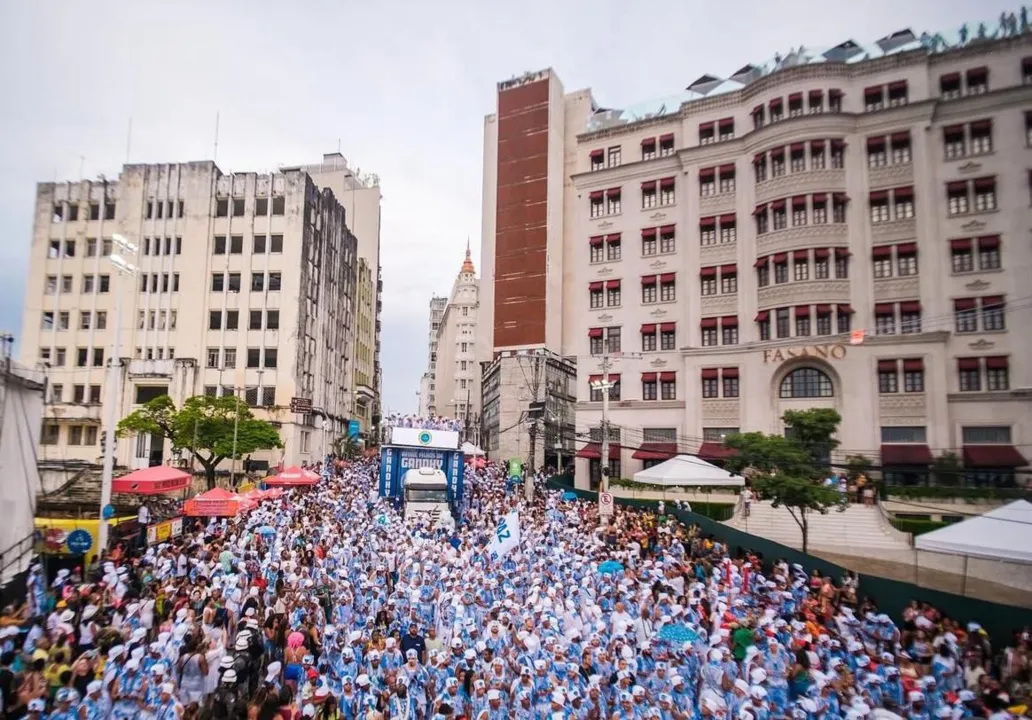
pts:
[300, 405]
[79, 541]
[605, 504]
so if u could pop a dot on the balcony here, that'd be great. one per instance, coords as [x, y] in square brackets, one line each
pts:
[803, 292]
[802, 236]
[801, 183]
[719, 304]
[897, 288]
[894, 231]
[889, 176]
[911, 406]
[365, 391]
[719, 253]
[720, 413]
[72, 412]
[717, 204]
[151, 368]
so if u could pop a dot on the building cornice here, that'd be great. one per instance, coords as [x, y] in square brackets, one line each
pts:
[938, 337]
[979, 48]
[638, 169]
[1016, 395]
[964, 108]
[794, 75]
[632, 405]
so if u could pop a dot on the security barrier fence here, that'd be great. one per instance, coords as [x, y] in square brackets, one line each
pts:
[891, 596]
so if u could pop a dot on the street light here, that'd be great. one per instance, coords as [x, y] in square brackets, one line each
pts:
[325, 429]
[123, 267]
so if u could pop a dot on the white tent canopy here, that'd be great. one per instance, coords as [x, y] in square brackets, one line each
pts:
[688, 471]
[1001, 534]
[469, 448]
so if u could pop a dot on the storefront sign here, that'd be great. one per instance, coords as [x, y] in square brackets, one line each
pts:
[164, 531]
[420, 437]
[825, 352]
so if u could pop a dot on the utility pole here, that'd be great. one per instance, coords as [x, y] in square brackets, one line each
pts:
[533, 416]
[604, 460]
[236, 426]
[465, 420]
[113, 378]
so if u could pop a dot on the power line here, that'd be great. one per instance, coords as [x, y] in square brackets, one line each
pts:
[900, 502]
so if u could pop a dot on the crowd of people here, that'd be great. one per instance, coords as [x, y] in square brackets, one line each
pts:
[433, 422]
[327, 604]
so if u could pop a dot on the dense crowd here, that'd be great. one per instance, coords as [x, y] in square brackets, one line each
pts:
[432, 422]
[327, 604]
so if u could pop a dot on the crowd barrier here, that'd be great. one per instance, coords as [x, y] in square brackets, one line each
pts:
[891, 596]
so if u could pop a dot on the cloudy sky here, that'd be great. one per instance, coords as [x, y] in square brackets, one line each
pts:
[402, 85]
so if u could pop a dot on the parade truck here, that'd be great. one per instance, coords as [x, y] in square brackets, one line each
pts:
[413, 449]
[426, 494]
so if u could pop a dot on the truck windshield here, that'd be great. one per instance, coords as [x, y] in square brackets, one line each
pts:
[426, 495]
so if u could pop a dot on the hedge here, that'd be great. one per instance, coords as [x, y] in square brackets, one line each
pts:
[917, 527]
[945, 492]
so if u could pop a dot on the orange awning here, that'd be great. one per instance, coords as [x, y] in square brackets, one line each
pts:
[215, 503]
[293, 476]
[152, 481]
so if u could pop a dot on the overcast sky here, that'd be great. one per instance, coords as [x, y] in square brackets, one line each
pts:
[403, 85]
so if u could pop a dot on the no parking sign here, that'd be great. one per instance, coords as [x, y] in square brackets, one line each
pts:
[605, 504]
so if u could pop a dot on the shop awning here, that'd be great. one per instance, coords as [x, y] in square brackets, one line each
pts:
[593, 451]
[993, 456]
[906, 455]
[714, 451]
[655, 451]
[293, 476]
[215, 503]
[152, 481]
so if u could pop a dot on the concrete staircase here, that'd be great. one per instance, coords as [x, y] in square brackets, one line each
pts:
[859, 530]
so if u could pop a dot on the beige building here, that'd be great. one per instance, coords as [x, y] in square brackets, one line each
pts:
[840, 229]
[359, 194]
[456, 373]
[244, 282]
[428, 382]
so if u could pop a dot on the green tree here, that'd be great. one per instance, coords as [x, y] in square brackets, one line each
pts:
[857, 465]
[790, 470]
[206, 427]
[346, 446]
[814, 430]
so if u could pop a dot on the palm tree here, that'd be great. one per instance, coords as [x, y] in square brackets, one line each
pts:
[346, 446]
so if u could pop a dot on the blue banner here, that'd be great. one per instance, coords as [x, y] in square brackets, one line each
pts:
[353, 428]
[396, 461]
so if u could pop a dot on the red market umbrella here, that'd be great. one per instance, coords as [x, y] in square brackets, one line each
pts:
[152, 481]
[215, 503]
[292, 477]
